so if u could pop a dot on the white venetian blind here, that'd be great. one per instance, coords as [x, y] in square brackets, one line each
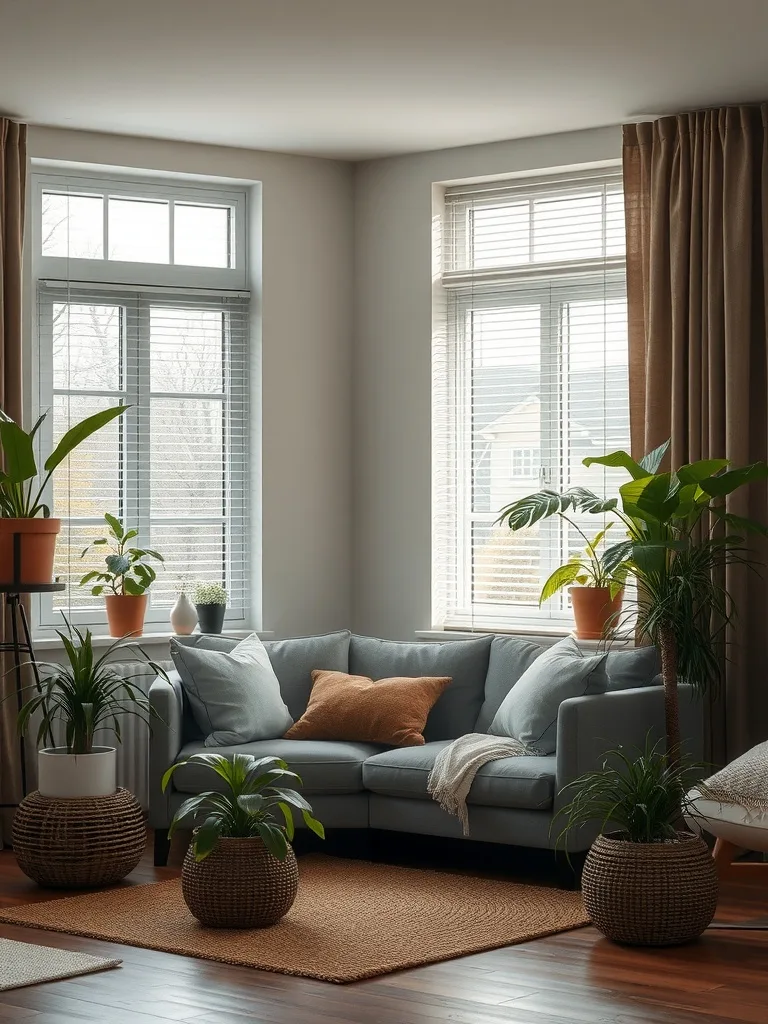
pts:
[175, 466]
[529, 378]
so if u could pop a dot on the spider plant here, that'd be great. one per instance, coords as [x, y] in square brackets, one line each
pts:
[639, 798]
[680, 537]
[254, 790]
[86, 692]
[21, 490]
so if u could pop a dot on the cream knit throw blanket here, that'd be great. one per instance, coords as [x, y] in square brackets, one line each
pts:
[457, 765]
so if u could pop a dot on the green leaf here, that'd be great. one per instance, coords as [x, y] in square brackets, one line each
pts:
[561, 577]
[695, 472]
[619, 460]
[206, 836]
[653, 460]
[727, 483]
[290, 827]
[118, 565]
[19, 452]
[527, 511]
[115, 525]
[274, 839]
[313, 824]
[77, 434]
[251, 803]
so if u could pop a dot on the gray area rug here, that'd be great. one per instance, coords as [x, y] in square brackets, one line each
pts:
[22, 963]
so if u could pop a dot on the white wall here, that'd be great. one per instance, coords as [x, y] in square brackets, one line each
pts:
[392, 362]
[306, 328]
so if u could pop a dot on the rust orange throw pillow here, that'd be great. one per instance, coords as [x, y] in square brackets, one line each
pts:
[392, 711]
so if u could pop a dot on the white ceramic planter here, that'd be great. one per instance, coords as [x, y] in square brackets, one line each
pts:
[183, 615]
[67, 776]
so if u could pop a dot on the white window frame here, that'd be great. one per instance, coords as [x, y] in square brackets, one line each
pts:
[143, 285]
[549, 285]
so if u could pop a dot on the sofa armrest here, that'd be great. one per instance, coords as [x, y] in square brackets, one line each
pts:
[589, 726]
[166, 740]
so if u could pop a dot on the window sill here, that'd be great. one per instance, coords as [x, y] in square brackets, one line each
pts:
[546, 636]
[53, 643]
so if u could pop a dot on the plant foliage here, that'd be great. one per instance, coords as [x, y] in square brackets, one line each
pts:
[21, 490]
[86, 692]
[126, 571]
[210, 593]
[255, 790]
[639, 797]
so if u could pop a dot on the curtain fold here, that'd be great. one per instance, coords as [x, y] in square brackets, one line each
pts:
[696, 194]
[13, 176]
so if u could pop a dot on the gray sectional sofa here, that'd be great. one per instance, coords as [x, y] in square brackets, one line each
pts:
[362, 785]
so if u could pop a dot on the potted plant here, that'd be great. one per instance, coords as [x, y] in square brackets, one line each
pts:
[240, 869]
[597, 599]
[23, 513]
[645, 882]
[126, 578]
[84, 694]
[679, 539]
[211, 604]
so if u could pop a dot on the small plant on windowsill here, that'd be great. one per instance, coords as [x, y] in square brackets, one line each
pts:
[240, 869]
[126, 579]
[211, 605]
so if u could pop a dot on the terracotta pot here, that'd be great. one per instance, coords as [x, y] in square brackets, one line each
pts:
[594, 612]
[37, 548]
[650, 894]
[125, 614]
[239, 884]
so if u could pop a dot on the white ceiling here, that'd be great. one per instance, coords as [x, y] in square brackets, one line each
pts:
[361, 78]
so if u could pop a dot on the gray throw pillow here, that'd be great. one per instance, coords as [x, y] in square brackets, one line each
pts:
[638, 666]
[529, 711]
[234, 695]
[510, 657]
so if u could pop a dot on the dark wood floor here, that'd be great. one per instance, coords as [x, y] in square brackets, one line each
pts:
[575, 977]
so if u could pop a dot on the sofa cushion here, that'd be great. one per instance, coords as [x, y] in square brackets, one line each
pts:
[510, 657]
[465, 661]
[325, 767]
[235, 695]
[293, 660]
[521, 782]
[638, 666]
[345, 707]
[530, 709]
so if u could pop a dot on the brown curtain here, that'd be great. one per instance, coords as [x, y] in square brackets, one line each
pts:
[696, 193]
[13, 174]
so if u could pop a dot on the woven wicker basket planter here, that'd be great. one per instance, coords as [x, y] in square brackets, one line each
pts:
[79, 843]
[239, 885]
[650, 894]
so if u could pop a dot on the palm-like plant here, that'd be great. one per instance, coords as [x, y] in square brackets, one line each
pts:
[679, 539]
[255, 790]
[640, 796]
[86, 692]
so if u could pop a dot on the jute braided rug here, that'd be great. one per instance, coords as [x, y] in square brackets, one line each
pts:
[22, 963]
[351, 920]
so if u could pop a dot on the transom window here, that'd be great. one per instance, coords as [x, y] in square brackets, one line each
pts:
[175, 466]
[530, 377]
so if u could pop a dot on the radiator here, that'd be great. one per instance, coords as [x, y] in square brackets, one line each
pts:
[133, 752]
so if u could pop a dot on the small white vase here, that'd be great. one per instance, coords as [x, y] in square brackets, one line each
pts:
[183, 615]
[67, 776]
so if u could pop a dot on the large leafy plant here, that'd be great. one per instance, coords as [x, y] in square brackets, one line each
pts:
[679, 539]
[21, 487]
[639, 797]
[87, 692]
[127, 571]
[255, 790]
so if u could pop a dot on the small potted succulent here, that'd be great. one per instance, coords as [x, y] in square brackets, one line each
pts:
[211, 605]
[240, 869]
[645, 882]
[126, 578]
[23, 513]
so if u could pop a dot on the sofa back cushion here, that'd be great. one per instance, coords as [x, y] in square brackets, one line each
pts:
[465, 661]
[510, 657]
[293, 660]
[637, 666]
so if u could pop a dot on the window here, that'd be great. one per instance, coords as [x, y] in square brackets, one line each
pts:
[124, 317]
[530, 377]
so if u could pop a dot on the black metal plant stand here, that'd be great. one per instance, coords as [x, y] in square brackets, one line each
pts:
[20, 643]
